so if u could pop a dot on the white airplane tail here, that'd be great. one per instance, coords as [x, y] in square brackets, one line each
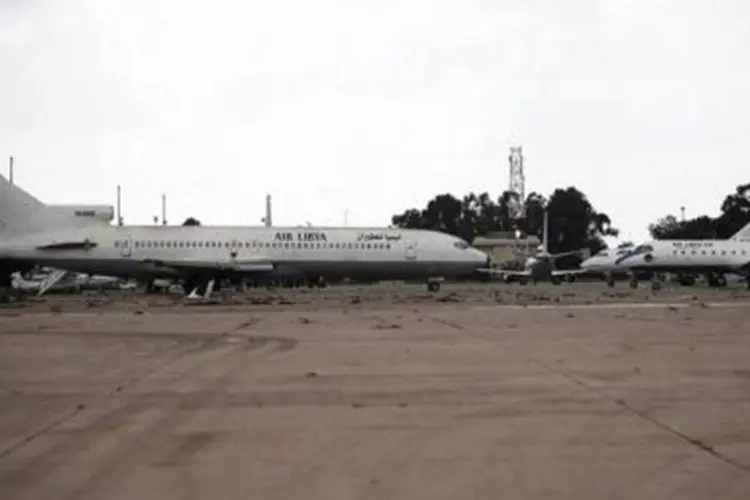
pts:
[18, 209]
[743, 233]
[21, 212]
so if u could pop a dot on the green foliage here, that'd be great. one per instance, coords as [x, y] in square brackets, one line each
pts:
[573, 222]
[190, 221]
[734, 215]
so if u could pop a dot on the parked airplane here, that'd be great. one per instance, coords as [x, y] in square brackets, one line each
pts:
[713, 258]
[200, 256]
[540, 266]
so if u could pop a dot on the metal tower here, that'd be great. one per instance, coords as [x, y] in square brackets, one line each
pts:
[517, 183]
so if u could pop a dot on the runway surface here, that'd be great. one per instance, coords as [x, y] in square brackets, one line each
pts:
[317, 395]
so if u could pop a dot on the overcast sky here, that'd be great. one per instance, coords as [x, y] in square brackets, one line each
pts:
[374, 106]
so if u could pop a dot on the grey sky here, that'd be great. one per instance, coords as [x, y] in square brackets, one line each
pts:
[374, 106]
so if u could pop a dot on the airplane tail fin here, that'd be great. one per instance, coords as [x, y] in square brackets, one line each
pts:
[743, 233]
[17, 207]
[20, 212]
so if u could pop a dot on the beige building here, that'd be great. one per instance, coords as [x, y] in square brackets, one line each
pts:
[505, 248]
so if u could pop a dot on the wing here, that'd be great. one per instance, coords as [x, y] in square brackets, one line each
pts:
[238, 266]
[567, 272]
[504, 272]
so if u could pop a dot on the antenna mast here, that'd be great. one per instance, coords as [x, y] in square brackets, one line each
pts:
[164, 210]
[268, 220]
[119, 205]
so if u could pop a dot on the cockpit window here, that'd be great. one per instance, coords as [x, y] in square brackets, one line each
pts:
[461, 245]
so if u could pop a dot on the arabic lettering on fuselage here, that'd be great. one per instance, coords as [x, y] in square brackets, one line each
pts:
[692, 244]
[378, 236]
[300, 236]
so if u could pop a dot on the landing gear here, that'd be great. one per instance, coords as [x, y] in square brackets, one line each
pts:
[633, 281]
[554, 279]
[570, 278]
[611, 280]
[656, 282]
[688, 280]
[6, 287]
[716, 280]
[433, 286]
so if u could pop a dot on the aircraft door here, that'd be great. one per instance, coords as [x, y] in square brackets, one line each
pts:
[234, 249]
[125, 244]
[411, 250]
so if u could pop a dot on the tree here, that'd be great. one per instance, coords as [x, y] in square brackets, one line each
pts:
[735, 214]
[669, 228]
[191, 221]
[574, 224]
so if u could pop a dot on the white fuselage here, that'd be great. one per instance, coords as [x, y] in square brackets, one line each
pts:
[147, 251]
[606, 261]
[690, 255]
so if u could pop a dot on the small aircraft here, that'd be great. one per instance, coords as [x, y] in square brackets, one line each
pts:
[541, 266]
[712, 258]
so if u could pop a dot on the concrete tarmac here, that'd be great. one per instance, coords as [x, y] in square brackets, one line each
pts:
[340, 399]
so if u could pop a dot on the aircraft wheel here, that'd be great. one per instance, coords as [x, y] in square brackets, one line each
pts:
[522, 281]
[690, 281]
[633, 283]
[610, 281]
[555, 280]
[433, 286]
[656, 285]
[721, 281]
[570, 278]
